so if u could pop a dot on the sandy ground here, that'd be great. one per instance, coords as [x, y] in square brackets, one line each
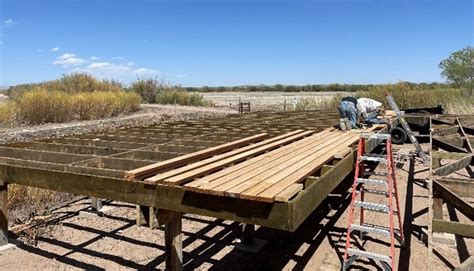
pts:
[149, 115]
[66, 240]
[265, 100]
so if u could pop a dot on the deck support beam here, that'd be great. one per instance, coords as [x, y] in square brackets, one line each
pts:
[3, 212]
[248, 234]
[173, 242]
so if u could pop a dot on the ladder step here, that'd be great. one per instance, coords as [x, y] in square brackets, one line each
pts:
[376, 136]
[369, 228]
[370, 255]
[372, 181]
[375, 173]
[372, 206]
[373, 158]
[375, 191]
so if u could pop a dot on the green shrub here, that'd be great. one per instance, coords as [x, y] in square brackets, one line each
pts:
[150, 88]
[181, 97]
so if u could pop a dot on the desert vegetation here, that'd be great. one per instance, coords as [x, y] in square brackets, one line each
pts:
[73, 97]
[153, 90]
[406, 95]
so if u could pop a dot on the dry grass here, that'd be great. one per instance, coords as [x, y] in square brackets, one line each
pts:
[40, 105]
[406, 95]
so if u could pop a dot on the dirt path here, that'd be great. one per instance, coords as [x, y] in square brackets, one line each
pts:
[149, 115]
[72, 241]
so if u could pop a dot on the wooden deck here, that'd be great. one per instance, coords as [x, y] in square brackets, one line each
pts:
[266, 168]
[267, 171]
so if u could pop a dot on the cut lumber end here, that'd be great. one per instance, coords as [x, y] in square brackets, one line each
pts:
[289, 192]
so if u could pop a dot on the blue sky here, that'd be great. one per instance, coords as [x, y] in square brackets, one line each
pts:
[228, 42]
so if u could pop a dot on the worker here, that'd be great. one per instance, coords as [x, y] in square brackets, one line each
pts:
[368, 111]
[348, 113]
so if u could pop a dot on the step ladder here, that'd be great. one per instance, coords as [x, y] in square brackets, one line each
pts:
[383, 184]
[406, 127]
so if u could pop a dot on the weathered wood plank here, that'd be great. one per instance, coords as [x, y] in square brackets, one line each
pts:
[438, 142]
[188, 158]
[453, 199]
[461, 129]
[3, 210]
[456, 228]
[461, 187]
[453, 167]
[173, 242]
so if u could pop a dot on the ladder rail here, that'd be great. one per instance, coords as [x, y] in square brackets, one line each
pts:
[360, 150]
[390, 204]
[358, 187]
[406, 127]
[392, 172]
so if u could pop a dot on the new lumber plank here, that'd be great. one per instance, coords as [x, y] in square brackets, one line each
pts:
[255, 184]
[289, 192]
[180, 176]
[245, 181]
[195, 156]
[192, 166]
[274, 186]
[219, 178]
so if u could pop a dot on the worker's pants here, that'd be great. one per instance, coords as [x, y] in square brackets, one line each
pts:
[372, 118]
[348, 110]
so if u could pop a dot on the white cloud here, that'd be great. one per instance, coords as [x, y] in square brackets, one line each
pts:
[55, 49]
[96, 65]
[146, 41]
[69, 59]
[146, 71]
[181, 75]
[1, 42]
[9, 22]
[118, 57]
[103, 69]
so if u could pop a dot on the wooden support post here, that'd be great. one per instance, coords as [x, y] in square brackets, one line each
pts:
[248, 234]
[174, 249]
[437, 208]
[96, 204]
[143, 215]
[3, 213]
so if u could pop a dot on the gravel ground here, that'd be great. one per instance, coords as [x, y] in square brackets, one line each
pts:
[149, 115]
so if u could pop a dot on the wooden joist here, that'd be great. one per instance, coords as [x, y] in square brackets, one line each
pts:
[461, 187]
[453, 199]
[453, 167]
[153, 169]
[457, 228]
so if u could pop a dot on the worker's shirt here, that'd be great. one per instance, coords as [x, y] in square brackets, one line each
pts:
[366, 105]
